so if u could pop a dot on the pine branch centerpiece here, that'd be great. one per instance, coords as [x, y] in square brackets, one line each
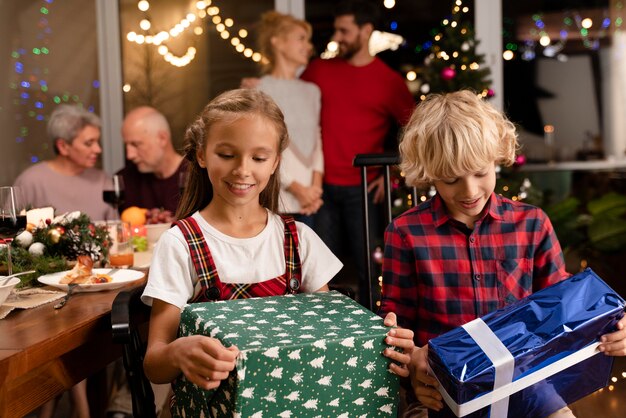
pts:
[50, 244]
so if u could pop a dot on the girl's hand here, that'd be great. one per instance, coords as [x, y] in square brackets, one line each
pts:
[424, 385]
[401, 338]
[614, 344]
[204, 360]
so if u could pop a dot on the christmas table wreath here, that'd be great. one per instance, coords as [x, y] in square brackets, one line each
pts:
[53, 243]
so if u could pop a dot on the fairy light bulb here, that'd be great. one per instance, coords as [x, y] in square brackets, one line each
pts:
[143, 5]
[145, 24]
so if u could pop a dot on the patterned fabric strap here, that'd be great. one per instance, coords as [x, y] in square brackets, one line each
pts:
[202, 260]
[293, 273]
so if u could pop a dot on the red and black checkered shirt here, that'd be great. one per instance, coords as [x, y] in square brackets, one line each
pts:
[439, 274]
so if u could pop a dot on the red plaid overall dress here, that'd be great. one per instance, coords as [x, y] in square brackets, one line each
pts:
[213, 289]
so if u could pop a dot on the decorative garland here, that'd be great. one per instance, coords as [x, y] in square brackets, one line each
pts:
[49, 247]
[204, 9]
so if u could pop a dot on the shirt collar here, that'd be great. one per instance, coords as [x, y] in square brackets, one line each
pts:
[441, 215]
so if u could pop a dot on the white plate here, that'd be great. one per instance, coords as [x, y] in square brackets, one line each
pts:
[120, 278]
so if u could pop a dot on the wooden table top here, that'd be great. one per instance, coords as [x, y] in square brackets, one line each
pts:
[45, 351]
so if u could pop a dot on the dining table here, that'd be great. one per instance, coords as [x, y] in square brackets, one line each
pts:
[45, 351]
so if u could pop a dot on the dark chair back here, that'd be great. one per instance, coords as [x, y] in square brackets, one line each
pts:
[386, 161]
[129, 320]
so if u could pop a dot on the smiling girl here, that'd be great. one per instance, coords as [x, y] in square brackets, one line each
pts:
[229, 243]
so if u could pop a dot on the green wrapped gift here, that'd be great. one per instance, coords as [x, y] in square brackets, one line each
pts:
[307, 355]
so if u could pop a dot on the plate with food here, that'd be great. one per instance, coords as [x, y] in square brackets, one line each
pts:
[90, 279]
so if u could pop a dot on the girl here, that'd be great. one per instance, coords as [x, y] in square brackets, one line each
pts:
[224, 245]
[285, 42]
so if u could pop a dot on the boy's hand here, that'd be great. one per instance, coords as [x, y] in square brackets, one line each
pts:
[401, 338]
[424, 385]
[614, 344]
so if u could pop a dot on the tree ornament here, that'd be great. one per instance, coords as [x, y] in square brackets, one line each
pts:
[24, 239]
[448, 73]
[425, 88]
[54, 235]
[490, 93]
[377, 256]
[37, 249]
[520, 160]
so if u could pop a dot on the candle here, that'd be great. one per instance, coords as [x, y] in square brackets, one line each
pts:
[548, 135]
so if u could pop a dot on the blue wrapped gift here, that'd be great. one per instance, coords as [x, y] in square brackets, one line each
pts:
[532, 357]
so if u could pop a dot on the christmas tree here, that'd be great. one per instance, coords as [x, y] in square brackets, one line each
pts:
[453, 63]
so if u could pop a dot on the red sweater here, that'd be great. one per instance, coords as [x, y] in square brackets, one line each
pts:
[358, 106]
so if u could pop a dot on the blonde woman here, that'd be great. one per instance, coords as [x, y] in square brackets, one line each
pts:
[285, 43]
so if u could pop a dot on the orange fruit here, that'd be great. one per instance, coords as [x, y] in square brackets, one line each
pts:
[134, 215]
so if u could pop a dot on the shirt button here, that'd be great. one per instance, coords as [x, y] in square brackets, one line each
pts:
[472, 239]
[477, 277]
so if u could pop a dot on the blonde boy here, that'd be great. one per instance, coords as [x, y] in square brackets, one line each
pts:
[466, 251]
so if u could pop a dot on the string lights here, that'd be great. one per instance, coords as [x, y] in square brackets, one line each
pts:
[204, 9]
[35, 89]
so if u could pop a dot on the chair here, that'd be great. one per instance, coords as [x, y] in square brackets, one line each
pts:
[386, 161]
[129, 319]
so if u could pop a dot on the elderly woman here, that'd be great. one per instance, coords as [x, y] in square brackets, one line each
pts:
[70, 182]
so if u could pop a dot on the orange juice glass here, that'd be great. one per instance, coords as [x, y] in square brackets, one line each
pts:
[121, 250]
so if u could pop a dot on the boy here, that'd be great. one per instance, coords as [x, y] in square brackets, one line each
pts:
[466, 251]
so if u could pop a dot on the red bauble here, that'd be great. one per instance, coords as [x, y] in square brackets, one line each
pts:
[448, 73]
[490, 93]
[520, 160]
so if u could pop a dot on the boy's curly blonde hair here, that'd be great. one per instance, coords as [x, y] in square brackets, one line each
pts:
[452, 135]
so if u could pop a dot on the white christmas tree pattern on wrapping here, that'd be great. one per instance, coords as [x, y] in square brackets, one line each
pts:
[301, 356]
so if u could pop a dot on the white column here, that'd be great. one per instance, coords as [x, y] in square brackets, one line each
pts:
[614, 97]
[110, 74]
[488, 26]
[292, 7]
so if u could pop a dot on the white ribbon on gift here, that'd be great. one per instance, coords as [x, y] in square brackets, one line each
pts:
[504, 364]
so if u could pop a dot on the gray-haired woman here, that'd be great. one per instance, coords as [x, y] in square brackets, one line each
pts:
[69, 181]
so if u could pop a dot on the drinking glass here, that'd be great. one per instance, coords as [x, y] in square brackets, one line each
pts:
[113, 194]
[12, 218]
[121, 251]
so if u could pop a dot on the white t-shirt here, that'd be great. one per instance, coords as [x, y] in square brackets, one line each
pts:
[172, 276]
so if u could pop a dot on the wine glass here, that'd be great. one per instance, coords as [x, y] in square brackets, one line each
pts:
[113, 194]
[12, 218]
[182, 181]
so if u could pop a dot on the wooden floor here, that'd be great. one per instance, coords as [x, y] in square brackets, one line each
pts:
[609, 402]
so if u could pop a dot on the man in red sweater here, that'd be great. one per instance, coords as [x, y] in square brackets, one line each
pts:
[361, 98]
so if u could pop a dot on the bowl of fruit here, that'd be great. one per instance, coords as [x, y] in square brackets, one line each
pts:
[157, 222]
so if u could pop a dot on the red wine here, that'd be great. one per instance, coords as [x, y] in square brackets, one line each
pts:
[115, 199]
[10, 227]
